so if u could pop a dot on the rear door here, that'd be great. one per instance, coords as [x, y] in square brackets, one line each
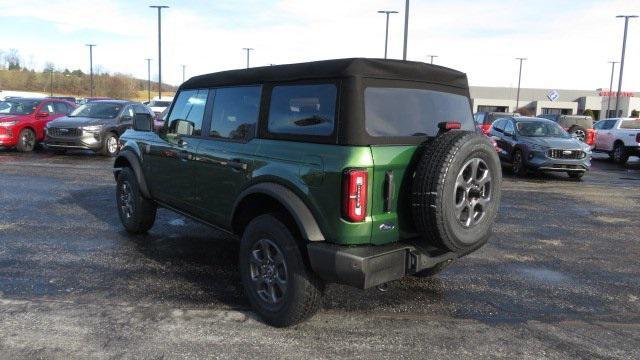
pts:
[170, 160]
[226, 154]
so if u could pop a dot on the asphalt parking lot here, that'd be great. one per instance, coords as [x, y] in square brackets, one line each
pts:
[559, 279]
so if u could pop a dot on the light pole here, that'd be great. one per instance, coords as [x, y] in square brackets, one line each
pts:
[386, 32]
[406, 29]
[248, 50]
[148, 79]
[519, 78]
[624, 45]
[159, 7]
[51, 80]
[432, 57]
[90, 68]
[613, 66]
[183, 68]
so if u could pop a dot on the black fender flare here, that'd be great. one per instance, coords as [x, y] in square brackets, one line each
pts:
[303, 217]
[132, 159]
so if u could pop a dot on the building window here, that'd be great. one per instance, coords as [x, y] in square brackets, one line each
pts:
[554, 111]
[491, 108]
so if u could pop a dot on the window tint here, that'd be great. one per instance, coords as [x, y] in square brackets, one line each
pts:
[608, 124]
[48, 108]
[128, 111]
[598, 125]
[235, 112]
[186, 116]
[508, 127]
[60, 108]
[498, 125]
[413, 112]
[303, 109]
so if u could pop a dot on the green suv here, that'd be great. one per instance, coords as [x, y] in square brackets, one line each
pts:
[354, 171]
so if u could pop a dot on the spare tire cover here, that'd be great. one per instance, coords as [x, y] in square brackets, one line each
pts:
[456, 191]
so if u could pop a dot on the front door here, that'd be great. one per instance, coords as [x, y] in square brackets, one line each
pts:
[225, 157]
[169, 161]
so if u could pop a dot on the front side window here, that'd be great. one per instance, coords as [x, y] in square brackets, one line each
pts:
[391, 112]
[187, 113]
[235, 112]
[508, 128]
[60, 108]
[498, 125]
[303, 109]
[608, 124]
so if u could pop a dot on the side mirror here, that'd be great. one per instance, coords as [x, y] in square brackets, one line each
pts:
[42, 114]
[142, 122]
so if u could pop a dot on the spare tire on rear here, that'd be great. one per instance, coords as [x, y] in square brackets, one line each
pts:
[456, 191]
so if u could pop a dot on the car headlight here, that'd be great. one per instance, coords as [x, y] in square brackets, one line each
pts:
[92, 128]
[8, 123]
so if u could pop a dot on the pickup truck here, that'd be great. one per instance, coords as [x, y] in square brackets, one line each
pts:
[619, 137]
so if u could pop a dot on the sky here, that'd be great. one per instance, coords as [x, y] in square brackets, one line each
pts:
[568, 43]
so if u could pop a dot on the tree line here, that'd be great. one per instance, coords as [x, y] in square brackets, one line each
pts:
[18, 76]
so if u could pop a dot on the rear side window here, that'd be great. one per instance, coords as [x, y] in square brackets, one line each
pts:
[413, 112]
[235, 112]
[187, 113]
[303, 109]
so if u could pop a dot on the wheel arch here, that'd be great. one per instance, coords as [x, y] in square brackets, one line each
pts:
[127, 158]
[266, 197]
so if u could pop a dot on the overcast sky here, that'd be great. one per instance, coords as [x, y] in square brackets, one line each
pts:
[568, 42]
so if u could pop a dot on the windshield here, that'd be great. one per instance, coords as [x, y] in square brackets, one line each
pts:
[156, 103]
[541, 129]
[630, 124]
[18, 107]
[97, 110]
[413, 112]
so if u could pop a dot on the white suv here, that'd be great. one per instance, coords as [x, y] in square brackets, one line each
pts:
[159, 104]
[620, 138]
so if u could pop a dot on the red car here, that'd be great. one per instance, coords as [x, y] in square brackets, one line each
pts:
[22, 120]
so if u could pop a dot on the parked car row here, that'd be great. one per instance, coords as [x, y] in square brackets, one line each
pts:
[560, 143]
[61, 125]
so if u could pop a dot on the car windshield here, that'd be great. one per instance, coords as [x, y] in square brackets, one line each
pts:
[541, 129]
[393, 112]
[18, 107]
[630, 124]
[97, 110]
[156, 103]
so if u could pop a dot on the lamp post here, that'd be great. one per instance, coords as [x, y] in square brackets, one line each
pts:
[613, 65]
[386, 32]
[51, 80]
[406, 29]
[148, 79]
[624, 45]
[90, 68]
[159, 7]
[432, 57]
[519, 78]
[248, 50]
[183, 71]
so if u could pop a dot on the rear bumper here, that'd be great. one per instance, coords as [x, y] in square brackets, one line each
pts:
[368, 266]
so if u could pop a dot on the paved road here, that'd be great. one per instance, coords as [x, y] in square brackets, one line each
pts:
[560, 279]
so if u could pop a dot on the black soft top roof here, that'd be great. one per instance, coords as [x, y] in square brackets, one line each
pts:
[333, 69]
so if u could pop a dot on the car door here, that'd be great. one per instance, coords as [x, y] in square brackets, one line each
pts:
[44, 114]
[496, 133]
[226, 156]
[509, 139]
[169, 160]
[604, 139]
[125, 120]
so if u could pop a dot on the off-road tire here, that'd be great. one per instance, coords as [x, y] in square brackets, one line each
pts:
[105, 151]
[304, 290]
[435, 191]
[142, 212]
[580, 131]
[619, 154]
[576, 175]
[26, 140]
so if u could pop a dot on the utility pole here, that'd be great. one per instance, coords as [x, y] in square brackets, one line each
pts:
[519, 78]
[406, 29]
[624, 46]
[183, 67]
[90, 68]
[248, 50]
[159, 7]
[386, 32]
[613, 66]
[51, 78]
[432, 56]
[148, 79]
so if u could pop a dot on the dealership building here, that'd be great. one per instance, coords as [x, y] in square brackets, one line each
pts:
[553, 101]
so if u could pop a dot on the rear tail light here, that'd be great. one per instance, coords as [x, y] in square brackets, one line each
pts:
[354, 195]
[591, 137]
[486, 128]
[449, 125]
